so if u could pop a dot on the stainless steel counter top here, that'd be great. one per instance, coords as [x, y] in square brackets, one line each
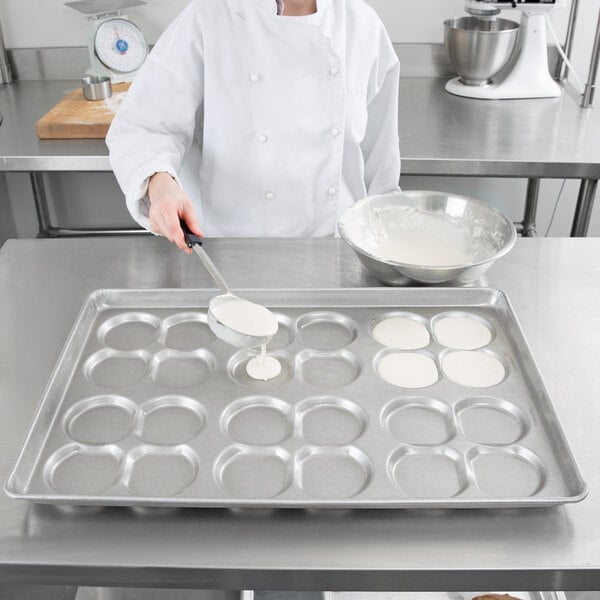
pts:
[554, 286]
[23, 104]
[440, 134]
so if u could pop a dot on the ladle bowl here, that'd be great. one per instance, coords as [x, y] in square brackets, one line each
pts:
[228, 334]
[238, 336]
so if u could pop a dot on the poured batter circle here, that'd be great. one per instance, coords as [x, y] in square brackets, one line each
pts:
[402, 333]
[462, 333]
[263, 367]
[473, 369]
[408, 369]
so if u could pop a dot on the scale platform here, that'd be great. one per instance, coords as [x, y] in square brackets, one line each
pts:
[98, 7]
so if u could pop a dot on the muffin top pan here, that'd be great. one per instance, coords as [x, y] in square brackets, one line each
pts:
[147, 408]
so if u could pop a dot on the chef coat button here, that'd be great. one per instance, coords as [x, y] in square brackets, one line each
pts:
[335, 132]
[254, 78]
[269, 195]
[262, 138]
[334, 71]
[332, 191]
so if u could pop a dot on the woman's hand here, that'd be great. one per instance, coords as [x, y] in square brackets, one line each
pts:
[168, 205]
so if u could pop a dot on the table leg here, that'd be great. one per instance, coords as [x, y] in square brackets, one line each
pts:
[8, 228]
[41, 204]
[46, 229]
[585, 204]
[531, 207]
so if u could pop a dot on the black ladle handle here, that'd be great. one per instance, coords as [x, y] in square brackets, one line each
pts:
[194, 241]
[190, 238]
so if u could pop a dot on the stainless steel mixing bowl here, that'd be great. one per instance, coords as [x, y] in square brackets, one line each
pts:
[484, 232]
[478, 49]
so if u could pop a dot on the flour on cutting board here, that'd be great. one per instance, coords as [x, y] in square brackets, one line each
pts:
[111, 104]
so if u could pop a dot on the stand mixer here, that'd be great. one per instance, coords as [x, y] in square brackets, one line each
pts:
[518, 55]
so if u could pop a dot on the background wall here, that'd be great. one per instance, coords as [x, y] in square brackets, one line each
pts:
[81, 199]
[49, 23]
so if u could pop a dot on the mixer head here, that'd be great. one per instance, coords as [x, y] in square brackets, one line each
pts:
[481, 8]
[491, 8]
[500, 59]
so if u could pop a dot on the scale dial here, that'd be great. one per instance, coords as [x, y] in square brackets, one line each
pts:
[120, 45]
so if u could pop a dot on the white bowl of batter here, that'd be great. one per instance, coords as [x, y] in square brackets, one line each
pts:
[426, 237]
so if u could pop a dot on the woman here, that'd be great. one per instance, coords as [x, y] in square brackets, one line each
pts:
[259, 118]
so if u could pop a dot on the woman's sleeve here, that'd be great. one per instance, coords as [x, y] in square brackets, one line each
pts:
[156, 123]
[381, 144]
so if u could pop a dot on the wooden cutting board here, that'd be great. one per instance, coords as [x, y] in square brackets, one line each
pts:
[74, 117]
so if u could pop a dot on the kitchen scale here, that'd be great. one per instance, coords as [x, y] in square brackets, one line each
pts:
[117, 46]
[526, 74]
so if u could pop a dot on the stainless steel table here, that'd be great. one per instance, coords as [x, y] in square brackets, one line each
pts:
[554, 285]
[441, 135]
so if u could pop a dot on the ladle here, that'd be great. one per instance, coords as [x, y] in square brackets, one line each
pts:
[242, 334]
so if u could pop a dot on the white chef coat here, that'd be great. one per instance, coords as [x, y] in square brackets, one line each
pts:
[273, 125]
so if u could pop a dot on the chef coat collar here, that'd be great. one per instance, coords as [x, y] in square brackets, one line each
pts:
[272, 5]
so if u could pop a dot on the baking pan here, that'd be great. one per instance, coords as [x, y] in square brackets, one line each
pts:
[147, 408]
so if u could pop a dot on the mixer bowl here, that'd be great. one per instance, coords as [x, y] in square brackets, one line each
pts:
[478, 49]
[437, 221]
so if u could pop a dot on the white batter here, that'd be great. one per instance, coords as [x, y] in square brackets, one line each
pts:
[424, 250]
[473, 369]
[253, 319]
[246, 317]
[408, 369]
[402, 333]
[462, 332]
[263, 367]
[418, 238]
[409, 236]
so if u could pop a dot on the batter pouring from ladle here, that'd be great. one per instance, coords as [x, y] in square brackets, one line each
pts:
[254, 320]
[237, 321]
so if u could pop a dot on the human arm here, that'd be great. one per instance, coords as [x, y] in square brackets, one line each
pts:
[155, 126]
[381, 144]
[169, 204]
